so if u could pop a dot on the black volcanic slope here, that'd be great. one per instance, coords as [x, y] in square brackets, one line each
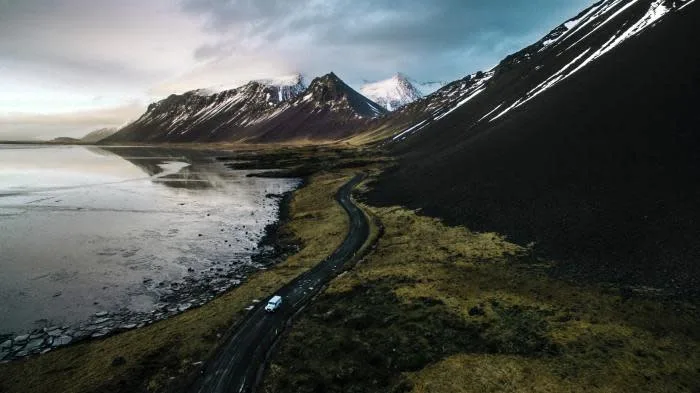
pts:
[601, 171]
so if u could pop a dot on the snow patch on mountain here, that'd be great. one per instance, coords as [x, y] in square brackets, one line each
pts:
[392, 93]
[293, 83]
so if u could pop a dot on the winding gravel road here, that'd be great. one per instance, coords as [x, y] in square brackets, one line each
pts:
[240, 362]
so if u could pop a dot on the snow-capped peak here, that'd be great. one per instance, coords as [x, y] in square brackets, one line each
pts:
[282, 81]
[392, 93]
[294, 83]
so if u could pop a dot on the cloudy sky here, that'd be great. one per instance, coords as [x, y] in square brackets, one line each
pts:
[71, 66]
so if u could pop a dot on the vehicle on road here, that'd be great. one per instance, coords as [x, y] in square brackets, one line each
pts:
[273, 304]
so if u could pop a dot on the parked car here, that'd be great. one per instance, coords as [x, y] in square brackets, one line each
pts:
[274, 303]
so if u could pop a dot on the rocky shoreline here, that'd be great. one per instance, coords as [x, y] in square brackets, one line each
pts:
[174, 298]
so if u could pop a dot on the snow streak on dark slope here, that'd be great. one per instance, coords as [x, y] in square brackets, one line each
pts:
[421, 113]
[590, 152]
[260, 111]
[521, 77]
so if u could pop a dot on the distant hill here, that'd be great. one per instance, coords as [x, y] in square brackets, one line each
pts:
[65, 140]
[98, 135]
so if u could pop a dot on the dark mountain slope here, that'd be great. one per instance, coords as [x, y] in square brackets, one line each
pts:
[327, 111]
[200, 116]
[601, 170]
[257, 112]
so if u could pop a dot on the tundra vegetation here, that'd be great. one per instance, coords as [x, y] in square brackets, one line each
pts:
[436, 308]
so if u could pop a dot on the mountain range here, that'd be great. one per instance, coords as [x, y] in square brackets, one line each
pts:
[285, 109]
[272, 110]
[260, 111]
[571, 143]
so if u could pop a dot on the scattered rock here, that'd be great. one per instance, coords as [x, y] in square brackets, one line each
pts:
[192, 291]
[57, 294]
[101, 321]
[22, 338]
[63, 340]
[118, 361]
[34, 344]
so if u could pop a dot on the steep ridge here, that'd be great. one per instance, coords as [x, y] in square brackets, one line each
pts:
[584, 143]
[524, 75]
[260, 111]
[328, 110]
[392, 93]
[421, 113]
[200, 116]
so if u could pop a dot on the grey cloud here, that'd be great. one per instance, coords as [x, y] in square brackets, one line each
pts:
[96, 43]
[469, 33]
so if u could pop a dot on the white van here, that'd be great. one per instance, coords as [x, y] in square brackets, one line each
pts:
[273, 304]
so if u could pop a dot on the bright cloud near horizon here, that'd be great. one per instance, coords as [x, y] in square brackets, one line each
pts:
[68, 67]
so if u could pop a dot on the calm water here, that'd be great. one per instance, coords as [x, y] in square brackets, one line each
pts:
[84, 230]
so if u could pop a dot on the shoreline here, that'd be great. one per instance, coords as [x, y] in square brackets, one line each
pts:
[173, 298]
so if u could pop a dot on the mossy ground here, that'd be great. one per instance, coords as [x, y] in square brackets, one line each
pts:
[441, 309]
[162, 357]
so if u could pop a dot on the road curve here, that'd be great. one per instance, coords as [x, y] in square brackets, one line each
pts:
[238, 364]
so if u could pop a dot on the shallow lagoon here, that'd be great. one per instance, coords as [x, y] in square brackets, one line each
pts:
[85, 230]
